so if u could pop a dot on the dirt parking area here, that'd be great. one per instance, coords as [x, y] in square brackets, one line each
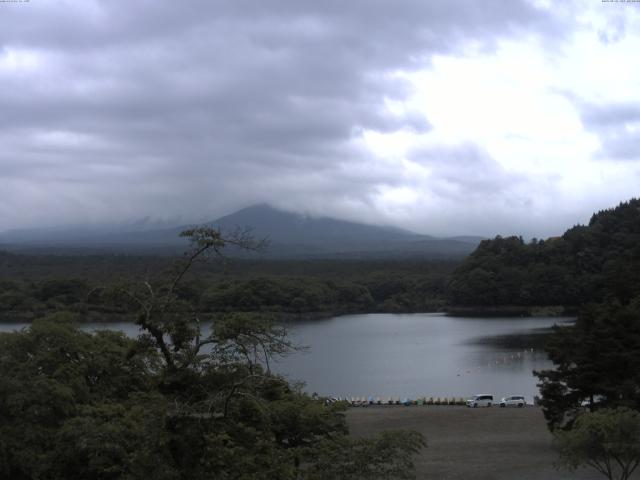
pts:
[472, 444]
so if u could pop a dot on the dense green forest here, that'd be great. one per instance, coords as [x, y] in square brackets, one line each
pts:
[587, 264]
[33, 286]
[175, 403]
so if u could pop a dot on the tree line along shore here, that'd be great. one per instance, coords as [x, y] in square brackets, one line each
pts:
[34, 286]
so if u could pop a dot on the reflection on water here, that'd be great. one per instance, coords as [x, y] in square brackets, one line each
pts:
[408, 355]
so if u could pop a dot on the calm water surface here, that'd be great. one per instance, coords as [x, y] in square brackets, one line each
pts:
[406, 355]
[418, 354]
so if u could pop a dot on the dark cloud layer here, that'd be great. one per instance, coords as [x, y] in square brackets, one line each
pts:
[115, 110]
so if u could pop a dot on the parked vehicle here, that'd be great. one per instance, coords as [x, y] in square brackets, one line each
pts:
[513, 401]
[480, 400]
[596, 400]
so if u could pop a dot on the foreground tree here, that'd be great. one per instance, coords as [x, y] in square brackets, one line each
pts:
[70, 398]
[597, 363]
[607, 440]
[175, 403]
[387, 456]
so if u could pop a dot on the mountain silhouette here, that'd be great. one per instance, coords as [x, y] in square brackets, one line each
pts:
[288, 235]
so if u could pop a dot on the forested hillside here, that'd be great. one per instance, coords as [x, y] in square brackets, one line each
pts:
[587, 264]
[34, 286]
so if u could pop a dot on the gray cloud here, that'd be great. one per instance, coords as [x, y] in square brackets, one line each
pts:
[617, 126]
[471, 191]
[467, 172]
[168, 109]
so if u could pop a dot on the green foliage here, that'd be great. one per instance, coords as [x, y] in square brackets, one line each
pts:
[607, 440]
[596, 360]
[176, 403]
[386, 456]
[75, 405]
[66, 291]
[587, 264]
[301, 289]
[49, 374]
[301, 295]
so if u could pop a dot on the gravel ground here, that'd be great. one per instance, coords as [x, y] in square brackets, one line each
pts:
[472, 444]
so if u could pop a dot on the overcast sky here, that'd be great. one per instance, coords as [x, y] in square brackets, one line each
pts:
[441, 116]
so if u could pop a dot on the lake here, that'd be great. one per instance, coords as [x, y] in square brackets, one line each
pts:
[426, 354]
[418, 354]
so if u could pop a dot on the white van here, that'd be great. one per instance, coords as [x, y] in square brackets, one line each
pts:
[480, 400]
[513, 401]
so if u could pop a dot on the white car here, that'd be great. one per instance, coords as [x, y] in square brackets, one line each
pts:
[480, 400]
[513, 401]
[596, 400]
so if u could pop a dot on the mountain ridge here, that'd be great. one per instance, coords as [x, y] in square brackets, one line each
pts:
[289, 235]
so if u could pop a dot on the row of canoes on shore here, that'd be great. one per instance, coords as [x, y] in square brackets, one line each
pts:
[365, 401]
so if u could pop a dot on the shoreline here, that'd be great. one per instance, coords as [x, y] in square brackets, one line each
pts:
[18, 316]
[512, 311]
